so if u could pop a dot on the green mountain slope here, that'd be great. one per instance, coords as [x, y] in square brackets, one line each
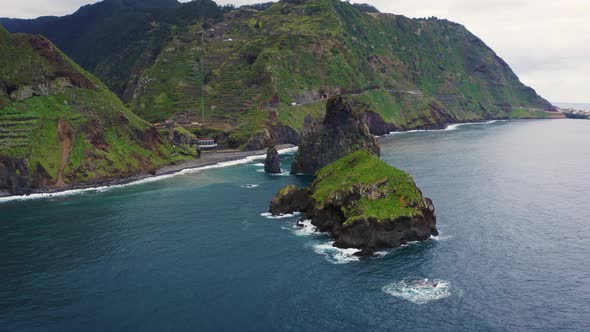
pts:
[270, 66]
[114, 39]
[413, 73]
[60, 125]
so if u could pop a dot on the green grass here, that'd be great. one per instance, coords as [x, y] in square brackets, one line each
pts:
[402, 198]
[294, 116]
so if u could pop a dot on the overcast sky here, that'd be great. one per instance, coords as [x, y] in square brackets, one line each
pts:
[546, 42]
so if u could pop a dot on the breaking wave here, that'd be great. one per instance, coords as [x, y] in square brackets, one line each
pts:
[282, 216]
[450, 127]
[250, 186]
[280, 174]
[336, 255]
[304, 228]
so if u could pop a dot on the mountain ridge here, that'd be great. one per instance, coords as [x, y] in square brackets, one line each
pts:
[268, 67]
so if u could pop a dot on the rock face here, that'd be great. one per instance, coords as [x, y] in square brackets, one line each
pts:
[271, 135]
[363, 203]
[341, 132]
[272, 164]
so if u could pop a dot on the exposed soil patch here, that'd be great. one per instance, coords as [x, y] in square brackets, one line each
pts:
[65, 133]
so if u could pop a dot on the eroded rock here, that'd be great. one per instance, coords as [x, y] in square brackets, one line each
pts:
[341, 132]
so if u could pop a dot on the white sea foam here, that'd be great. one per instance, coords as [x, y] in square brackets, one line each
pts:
[258, 165]
[242, 161]
[304, 228]
[440, 237]
[450, 127]
[288, 150]
[280, 174]
[282, 216]
[336, 255]
[419, 290]
[260, 170]
[250, 186]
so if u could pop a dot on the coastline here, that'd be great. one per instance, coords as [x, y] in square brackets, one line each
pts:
[209, 160]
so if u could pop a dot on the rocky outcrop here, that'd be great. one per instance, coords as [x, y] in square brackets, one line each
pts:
[341, 132]
[290, 199]
[17, 179]
[180, 136]
[363, 203]
[44, 88]
[262, 140]
[272, 164]
[271, 135]
[376, 124]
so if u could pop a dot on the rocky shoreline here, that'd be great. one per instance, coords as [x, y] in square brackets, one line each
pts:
[207, 159]
[370, 212]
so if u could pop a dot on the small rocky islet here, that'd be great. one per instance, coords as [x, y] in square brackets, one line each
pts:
[356, 197]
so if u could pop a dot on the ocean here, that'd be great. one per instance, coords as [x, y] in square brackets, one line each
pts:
[196, 252]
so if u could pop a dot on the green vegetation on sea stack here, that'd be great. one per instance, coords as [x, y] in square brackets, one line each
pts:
[364, 203]
[389, 192]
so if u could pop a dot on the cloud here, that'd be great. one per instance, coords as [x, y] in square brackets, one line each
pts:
[546, 42]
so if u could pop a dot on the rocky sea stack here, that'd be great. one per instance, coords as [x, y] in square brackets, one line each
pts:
[363, 203]
[341, 132]
[272, 164]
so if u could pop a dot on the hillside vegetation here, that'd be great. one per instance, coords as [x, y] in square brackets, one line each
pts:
[413, 73]
[272, 65]
[60, 125]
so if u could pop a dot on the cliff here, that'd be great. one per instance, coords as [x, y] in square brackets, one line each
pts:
[363, 203]
[61, 126]
[341, 132]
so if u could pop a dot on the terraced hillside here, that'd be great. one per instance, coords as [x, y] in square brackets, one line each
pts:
[60, 125]
[287, 59]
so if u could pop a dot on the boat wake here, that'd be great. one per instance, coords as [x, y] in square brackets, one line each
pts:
[419, 290]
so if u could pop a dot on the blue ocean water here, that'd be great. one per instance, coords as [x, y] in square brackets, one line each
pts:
[194, 253]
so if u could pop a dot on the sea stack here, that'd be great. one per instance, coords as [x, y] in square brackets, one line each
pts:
[363, 203]
[341, 132]
[272, 164]
[360, 200]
